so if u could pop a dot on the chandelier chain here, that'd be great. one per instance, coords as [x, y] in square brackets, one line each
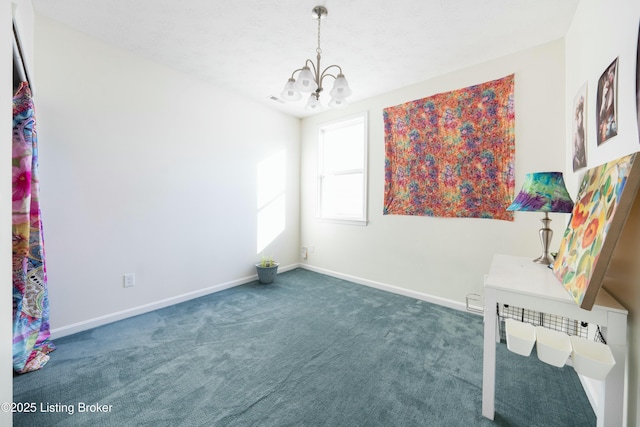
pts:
[318, 50]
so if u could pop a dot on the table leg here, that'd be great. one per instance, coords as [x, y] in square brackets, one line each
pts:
[612, 411]
[489, 354]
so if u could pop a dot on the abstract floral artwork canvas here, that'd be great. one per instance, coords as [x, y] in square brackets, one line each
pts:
[452, 154]
[602, 205]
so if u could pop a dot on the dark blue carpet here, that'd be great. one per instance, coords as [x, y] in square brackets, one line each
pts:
[306, 350]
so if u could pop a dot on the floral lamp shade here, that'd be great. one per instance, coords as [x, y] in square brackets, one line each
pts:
[543, 192]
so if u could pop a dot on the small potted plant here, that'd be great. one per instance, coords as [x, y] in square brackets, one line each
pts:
[267, 269]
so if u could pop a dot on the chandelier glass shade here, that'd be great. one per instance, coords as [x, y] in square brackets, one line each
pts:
[310, 77]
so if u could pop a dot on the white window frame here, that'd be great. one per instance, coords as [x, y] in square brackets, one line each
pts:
[332, 125]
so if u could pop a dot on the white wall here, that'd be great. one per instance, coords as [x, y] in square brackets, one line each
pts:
[600, 32]
[145, 170]
[444, 258]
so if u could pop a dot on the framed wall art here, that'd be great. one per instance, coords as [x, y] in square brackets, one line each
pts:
[607, 103]
[579, 130]
[602, 206]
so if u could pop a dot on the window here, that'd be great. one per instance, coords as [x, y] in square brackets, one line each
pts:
[342, 173]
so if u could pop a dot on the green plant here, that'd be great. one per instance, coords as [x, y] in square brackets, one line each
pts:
[267, 261]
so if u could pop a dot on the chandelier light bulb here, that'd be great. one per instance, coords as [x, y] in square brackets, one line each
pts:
[306, 81]
[313, 103]
[338, 103]
[290, 93]
[341, 87]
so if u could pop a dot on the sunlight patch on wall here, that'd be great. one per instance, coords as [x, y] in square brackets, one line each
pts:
[271, 175]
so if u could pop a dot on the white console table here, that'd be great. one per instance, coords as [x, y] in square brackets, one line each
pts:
[520, 282]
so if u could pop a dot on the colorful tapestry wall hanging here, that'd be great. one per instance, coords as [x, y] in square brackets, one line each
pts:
[452, 154]
[602, 206]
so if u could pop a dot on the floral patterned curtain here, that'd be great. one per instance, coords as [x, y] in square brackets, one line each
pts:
[31, 343]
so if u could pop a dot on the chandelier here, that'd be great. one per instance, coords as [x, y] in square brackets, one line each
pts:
[310, 78]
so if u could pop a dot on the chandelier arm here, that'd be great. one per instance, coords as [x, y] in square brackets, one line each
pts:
[326, 74]
[293, 75]
[307, 62]
[313, 66]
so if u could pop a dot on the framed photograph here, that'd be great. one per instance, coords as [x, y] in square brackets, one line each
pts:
[607, 103]
[579, 130]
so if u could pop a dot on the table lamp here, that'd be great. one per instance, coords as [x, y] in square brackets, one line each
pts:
[543, 192]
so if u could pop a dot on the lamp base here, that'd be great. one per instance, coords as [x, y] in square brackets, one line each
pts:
[545, 259]
[545, 239]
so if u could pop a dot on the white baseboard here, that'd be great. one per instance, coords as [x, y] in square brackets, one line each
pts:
[390, 288]
[134, 311]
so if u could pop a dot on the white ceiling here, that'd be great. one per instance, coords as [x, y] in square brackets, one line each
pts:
[252, 46]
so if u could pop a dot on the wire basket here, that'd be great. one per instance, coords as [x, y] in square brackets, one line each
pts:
[550, 321]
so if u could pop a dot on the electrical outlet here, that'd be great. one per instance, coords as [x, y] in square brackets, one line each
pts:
[129, 280]
[304, 253]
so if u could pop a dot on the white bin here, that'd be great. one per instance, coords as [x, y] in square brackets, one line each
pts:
[520, 337]
[591, 359]
[553, 347]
